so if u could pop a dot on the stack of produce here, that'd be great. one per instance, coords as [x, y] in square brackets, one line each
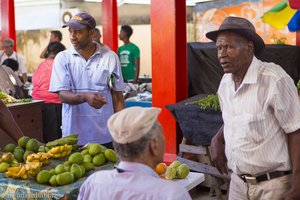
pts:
[29, 159]
[7, 99]
[174, 170]
[77, 165]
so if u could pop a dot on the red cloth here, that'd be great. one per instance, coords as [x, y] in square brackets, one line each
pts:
[294, 4]
[41, 82]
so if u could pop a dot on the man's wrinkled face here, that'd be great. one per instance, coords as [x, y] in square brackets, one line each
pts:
[8, 50]
[234, 52]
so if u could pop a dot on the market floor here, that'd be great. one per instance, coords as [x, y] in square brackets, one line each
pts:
[202, 193]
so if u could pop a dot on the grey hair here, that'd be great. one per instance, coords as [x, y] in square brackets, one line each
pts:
[137, 148]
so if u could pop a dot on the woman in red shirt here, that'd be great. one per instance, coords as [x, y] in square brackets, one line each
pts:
[51, 109]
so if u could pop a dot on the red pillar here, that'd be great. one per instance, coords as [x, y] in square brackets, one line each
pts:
[169, 63]
[8, 29]
[110, 23]
[298, 38]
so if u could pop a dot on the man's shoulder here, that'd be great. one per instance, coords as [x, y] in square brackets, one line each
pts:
[269, 68]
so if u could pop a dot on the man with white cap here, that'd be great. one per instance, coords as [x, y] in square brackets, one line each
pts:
[259, 141]
[139, 142]
[89, 82]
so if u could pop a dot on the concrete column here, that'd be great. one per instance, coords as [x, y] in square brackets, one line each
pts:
[8, 29]
[169, 63]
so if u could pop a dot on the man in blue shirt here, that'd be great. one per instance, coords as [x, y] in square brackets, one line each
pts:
[89, 82]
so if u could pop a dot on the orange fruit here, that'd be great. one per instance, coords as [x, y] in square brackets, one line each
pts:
[161, 168]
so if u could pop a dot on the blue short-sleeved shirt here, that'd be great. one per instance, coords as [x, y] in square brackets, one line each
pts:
[73, 73]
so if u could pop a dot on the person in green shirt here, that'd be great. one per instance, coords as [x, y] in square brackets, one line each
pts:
[129, 55]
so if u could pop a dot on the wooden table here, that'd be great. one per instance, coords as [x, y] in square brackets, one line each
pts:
[30, 189]
[29, 118]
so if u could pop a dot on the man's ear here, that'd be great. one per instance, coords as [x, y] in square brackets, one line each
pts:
[251, 47]
[154, 147]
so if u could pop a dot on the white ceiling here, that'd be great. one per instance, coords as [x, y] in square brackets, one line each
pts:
[47, 14]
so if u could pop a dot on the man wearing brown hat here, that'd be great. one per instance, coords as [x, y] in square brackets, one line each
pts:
[139, 142]
[260, 138]
[89, 82]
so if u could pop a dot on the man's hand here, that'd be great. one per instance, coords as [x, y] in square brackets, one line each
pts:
[95, 100]
[218, 152]
[292, 194]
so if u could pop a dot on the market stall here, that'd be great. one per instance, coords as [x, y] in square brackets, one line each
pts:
[28, 116]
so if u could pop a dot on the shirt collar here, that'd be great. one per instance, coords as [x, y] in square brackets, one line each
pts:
[252, 72]
[250, 76]
[136, 167]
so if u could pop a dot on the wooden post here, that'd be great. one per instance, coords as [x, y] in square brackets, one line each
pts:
[8, 20]
[110, 23]
[169, 63]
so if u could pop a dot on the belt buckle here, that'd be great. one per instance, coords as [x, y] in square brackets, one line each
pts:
[250, 179]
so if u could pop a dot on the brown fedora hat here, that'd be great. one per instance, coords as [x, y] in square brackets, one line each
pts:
[240, 26]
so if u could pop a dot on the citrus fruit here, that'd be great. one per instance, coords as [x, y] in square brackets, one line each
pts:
[170, 173]
[94, 149]
[99, 159]
[9, 147]
[76, 170]
[76, 158]
[23, 141]
[3, 167]
[43, 176]
[182, 171]
[111, 155]
[52, 180]
[161, 168]
[59, 169]
[88, 166]
[175, 164]
[32, 145]
[87, 158]
[65, 178]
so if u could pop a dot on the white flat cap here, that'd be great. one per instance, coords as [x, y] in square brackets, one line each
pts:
[130, 124]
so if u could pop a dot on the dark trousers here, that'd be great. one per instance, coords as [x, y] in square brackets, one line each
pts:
[52, 118]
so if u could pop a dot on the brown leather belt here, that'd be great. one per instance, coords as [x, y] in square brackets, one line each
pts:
[264, 177]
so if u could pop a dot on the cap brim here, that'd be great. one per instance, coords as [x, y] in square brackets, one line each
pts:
[259, 44]
[74, 25]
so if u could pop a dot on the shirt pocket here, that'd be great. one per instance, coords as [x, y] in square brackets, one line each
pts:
[100, 76]
[254, 126]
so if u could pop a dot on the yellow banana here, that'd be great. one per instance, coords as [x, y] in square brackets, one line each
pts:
[25, 176]
[22, 171]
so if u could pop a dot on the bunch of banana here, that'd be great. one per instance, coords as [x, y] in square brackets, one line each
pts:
[60, 151]
[70, 139]
[7, 98]
[24, 170]
[17, 172]
[34, 167]
[39, 157]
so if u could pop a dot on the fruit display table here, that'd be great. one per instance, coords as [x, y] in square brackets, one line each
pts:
[29, 118]
[191, 181]
[30, 189]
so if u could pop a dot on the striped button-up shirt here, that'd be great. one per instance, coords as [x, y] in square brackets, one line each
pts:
[257, 118]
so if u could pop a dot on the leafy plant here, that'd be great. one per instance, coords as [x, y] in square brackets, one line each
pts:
[278, 40]
[211, 101]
